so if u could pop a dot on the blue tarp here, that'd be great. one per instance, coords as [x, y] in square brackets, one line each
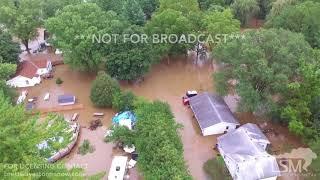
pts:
[124, 115]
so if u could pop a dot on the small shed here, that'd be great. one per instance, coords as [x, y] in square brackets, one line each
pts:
[118, 168]
[65, 100]
[212, 114]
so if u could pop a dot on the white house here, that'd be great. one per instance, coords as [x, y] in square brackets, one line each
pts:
[29, 73]
[245, 156]
[212, 114]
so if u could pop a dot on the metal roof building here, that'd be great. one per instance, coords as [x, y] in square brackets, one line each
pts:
[212, 114]
[244, 156]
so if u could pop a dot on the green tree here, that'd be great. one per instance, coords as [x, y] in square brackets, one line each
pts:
[22, 19]
[315, 147]
[18, 143]
[123, 100]
[187, 7]
[207, 4]
[77, 29]
[278, 6]
[174, 17]
[264, 8]
[149, 6]
[121, 134]
[7, 70]
[168, 22]
[127, 60]
[49, 8]
[245, 9]
[301, 18]
[111, 5]
[103, 89]
[300, 107]
[216, 22]
[263, 64]
[132, 11]
[9, 50]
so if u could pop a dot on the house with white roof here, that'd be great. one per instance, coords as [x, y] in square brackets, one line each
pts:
[29, 73]
[244, 153]
[212, 114]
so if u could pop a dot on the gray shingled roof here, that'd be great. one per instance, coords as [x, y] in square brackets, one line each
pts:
[210, 109]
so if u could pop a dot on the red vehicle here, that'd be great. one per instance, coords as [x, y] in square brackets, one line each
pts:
[185, 100]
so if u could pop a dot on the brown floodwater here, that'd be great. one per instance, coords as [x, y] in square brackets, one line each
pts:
[165, 82]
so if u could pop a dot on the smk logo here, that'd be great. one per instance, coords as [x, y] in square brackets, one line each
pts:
[297, 161]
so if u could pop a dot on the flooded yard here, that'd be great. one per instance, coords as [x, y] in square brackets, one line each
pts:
[165, 82]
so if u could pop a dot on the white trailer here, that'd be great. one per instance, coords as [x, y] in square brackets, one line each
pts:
[118, 168]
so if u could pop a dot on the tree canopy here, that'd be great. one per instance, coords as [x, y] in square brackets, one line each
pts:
[263, 64]
[126, 60]
[300, 109]
[49, 7]
[207, 4]
[103, 89]
[168, 22]
[149, 6]
[74, 28]
[9, 50]
[7, 70]
[216, 22]
[22, 18]
[133, 12]
[301, 18]
[245, 9]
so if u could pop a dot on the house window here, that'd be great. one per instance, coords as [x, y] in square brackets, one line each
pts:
[27, 82]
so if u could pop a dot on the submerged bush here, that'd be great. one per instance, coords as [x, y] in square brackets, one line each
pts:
[216, 169]
[59, 81]
[103, 90]
[85, 147]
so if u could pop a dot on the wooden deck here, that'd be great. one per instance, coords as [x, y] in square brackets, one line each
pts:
[60, 108]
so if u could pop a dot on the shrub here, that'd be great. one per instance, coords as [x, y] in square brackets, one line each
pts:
[123, 100]
[156, 139]
[103, 90]
[85, 148]
[216, 169]
[59, 81]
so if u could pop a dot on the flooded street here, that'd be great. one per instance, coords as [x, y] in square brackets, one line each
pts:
[165, 82]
